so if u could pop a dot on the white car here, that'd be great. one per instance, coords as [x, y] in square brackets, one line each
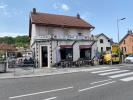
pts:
[129, 59]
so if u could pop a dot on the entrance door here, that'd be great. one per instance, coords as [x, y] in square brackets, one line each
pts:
[44, 54]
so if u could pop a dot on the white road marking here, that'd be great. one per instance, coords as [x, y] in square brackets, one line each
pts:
[50, 98]
[100, 81]
[96, 86]
[114, 72]
[25, 95]
[127, 79]
[100, 68]
[104, 71]
[121, 75]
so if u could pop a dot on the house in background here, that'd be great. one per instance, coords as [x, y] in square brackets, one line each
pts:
[58, 37]
[25, 52]
[126, 43]
[103, 43]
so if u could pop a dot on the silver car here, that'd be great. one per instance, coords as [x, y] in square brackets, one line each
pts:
[129, 59]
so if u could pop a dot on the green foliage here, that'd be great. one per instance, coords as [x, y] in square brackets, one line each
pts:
[2, 55]
[19, 41]
[7, 40]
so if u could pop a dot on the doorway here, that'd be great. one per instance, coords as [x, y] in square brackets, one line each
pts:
[44, 56]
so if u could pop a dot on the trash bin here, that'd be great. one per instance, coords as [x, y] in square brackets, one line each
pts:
[3, 66]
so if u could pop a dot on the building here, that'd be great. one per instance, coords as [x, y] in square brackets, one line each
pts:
[7, 50]
[58, 37]
[103, 43]
[126, 43]
[25, 52]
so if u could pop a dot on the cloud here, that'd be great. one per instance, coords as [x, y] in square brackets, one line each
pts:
[86, 16]
[3, 9]
[64, 7]
[3, 6]
[9, 12]
[12, 34]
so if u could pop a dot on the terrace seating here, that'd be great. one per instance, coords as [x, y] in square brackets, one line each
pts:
[26, 63]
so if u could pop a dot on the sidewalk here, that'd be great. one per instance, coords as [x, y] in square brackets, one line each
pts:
[25, 72]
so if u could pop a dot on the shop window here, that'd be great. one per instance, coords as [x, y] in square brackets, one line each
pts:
[85, 53]
[101, 40]
[66, 53]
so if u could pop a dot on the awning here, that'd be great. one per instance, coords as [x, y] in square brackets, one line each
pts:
[84, 46]
[65, 46]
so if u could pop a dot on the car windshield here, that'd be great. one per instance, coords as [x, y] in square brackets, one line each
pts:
[130, 56]
[115, 56]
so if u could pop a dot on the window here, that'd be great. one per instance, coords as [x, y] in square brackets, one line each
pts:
[108, 48]
[125, 49]
[66, 53]
[101, 49]
[79, 34]
[124, 41]
[108, 40]
[101, 40]
[85, 53]
[50, 30]
[66, 31]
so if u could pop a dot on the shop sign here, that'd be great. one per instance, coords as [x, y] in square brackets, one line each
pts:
[65, 37]
[44, 37]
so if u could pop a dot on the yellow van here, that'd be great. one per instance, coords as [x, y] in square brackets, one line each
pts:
[115, 58]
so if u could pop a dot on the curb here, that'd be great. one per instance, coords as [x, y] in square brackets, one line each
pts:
[49, 74]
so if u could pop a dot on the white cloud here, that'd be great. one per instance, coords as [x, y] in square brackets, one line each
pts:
[86, 16]
[9, 12]
[12, 34]
[3, 9]
[64, 7]
[3, 6]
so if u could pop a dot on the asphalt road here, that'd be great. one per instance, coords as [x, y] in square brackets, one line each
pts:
[110, 83]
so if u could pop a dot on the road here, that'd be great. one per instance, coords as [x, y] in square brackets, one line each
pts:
[101, 83]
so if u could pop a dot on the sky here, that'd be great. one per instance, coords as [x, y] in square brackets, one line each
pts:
[102, 14]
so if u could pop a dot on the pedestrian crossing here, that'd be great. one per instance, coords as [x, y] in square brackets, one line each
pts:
[114, 73]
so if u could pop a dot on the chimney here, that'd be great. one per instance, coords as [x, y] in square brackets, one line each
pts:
[130, 32]
[78, 16]
[34, 10]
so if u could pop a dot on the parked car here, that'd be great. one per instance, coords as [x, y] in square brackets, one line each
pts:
[129, 59]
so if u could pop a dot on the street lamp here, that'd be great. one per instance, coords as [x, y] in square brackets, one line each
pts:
[118, 20]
